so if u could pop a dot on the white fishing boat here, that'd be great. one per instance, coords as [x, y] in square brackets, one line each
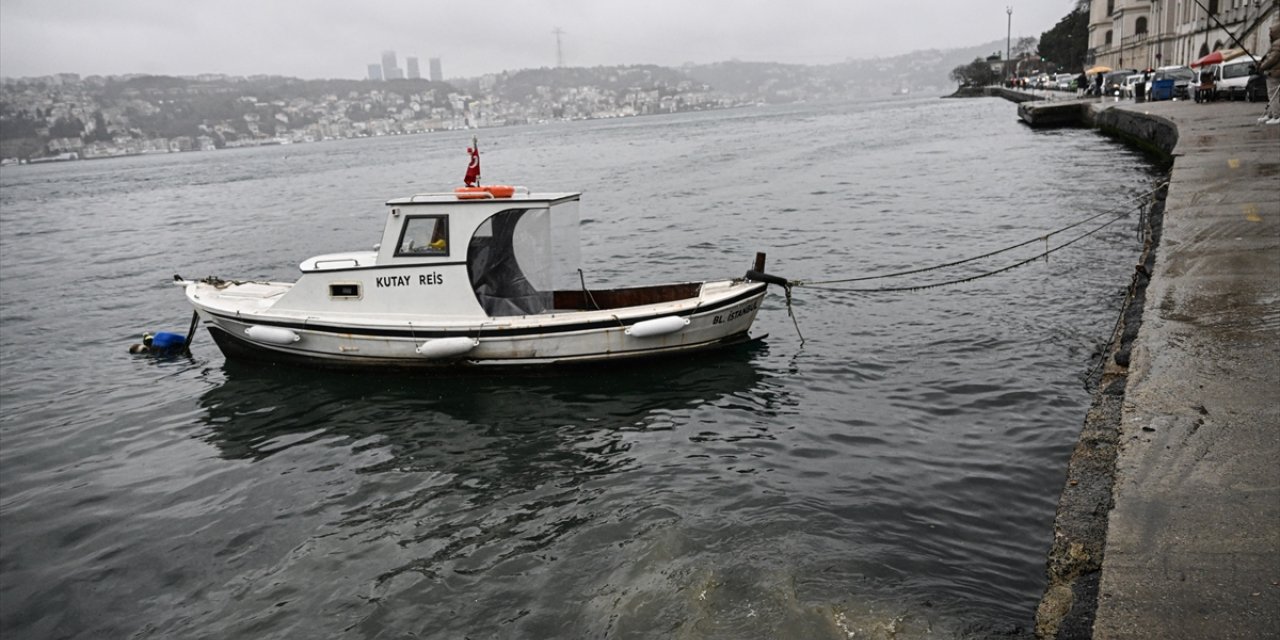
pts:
[477, 276]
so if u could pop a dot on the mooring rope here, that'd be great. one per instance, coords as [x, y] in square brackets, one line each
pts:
[1146, 235]
[791, 312]
[1141, 204]
[935, 285]
[1115, 329]
[1142, 200]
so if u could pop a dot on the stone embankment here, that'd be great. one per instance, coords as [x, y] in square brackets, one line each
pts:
[1012, 95]
[1193, 540]
[1169, 524]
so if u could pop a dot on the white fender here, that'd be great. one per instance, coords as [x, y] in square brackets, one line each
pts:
[657, 327]
[446, 347]
[274, 335]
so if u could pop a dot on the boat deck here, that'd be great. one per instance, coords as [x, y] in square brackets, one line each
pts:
[256, 300]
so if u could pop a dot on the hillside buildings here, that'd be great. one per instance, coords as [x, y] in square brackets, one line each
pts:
[1136, 34]
[99, 116]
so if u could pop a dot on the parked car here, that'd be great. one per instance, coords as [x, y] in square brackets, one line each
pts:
[1129, 85]
[1065, 81]
[1232, 77]
[1112, 82]
[1181, 76]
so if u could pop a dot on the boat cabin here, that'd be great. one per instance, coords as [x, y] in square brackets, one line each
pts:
[449, 256]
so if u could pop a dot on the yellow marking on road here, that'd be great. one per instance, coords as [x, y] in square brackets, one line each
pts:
[1233, 163]
[1251, 213]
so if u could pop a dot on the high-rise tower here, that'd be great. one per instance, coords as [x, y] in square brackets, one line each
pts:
[436, 74]
[389, 69]
[412, 64]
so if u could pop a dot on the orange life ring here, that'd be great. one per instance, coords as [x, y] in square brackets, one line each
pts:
[491, 191]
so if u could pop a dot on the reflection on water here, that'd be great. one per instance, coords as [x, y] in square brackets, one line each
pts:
[417, 416]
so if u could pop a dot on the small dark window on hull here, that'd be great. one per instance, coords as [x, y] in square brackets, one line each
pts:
[344, 291]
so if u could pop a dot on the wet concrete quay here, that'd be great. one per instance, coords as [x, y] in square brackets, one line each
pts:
[1169, 524]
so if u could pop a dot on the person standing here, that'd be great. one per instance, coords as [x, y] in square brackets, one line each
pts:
[1270, 65]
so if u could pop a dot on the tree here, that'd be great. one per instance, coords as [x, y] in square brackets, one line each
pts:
[975, 74]
[18, 124]
[100, 133]
[66, 128]
[1026, 44]
[1066, 43]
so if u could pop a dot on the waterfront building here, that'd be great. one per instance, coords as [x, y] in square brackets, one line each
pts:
[412, 64]
[1136, 34]
[375, 72]
[436, 74]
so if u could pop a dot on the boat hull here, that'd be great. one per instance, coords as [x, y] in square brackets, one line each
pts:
[238, 349]
[552, 339]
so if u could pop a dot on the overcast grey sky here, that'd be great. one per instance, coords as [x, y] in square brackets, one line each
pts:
[338, 39]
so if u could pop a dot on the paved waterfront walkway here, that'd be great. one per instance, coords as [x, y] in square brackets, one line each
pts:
[1193, 542]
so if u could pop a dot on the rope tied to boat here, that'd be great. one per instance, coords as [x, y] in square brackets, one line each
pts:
[1103, 352]
[791, 312]
[1139, 203]
[947, 283]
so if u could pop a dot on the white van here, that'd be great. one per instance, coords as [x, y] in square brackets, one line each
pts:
[1232, 77]
[1130, 84]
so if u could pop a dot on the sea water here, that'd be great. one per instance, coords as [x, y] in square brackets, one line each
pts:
[892, 474]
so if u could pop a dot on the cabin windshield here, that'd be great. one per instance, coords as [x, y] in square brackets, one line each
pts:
[424, 236]
[518, 256]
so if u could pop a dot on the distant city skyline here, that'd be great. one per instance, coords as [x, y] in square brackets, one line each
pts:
[389, 68]
[326, 39]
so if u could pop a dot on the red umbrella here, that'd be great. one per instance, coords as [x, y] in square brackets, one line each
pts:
[1213, 58]
[1217, 56]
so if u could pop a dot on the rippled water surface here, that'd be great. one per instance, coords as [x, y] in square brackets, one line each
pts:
[893, 476]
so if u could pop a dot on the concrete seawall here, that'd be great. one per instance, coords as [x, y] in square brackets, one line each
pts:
[1169, 524]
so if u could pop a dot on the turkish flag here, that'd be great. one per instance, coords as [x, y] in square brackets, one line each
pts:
[472, 178]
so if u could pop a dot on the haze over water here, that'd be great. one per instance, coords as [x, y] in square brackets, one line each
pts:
[893, 476]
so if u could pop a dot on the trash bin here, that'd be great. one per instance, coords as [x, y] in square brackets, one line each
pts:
[1162, 89]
